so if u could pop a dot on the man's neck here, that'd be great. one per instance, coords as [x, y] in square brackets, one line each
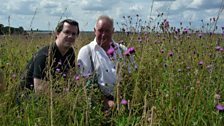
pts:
[61, 49]
[105, 47]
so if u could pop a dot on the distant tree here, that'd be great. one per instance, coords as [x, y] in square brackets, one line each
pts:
[11, 30]
[1, 29]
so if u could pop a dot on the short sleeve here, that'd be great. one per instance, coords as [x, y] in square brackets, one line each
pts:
[84, 60]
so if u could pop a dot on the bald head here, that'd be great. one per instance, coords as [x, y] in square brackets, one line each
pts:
[104, 31]
[105, 18]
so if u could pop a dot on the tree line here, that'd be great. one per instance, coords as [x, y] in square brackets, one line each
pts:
[4, 30]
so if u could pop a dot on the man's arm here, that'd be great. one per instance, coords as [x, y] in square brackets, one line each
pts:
[84, 60]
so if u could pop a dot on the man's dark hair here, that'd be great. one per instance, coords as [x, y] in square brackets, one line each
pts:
[70, 21]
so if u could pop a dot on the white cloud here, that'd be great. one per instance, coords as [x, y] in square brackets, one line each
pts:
[85, 12]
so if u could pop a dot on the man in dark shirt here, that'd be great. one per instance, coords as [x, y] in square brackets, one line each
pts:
[56, 58]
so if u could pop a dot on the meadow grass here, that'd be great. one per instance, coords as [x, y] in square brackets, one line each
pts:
[177, 76]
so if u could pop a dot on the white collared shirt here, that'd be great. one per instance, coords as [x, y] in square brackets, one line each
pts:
[104, 66]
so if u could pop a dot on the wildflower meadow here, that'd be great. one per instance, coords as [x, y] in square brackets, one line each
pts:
[176, 79]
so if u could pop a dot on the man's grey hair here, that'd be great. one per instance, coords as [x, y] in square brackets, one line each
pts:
[105, 17]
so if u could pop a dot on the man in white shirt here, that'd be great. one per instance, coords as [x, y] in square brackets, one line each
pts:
[100, 57]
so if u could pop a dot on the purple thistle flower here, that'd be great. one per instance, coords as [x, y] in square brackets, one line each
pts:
[170, 53]
[186, 30]
[64, 75]
[131, 50]
[59, 63]
[124, 102]
[57, 70]
[162, 51]
[199, 35]
[217, 48]
[200, 62]
[219, 107]
[139, 39]
[126, 52]
[221, 49]
[110, 51]
[76, 77]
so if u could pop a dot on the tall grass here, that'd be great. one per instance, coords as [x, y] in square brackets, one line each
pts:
[178, 74]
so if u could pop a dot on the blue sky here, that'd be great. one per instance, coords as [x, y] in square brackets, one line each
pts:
[45, 14]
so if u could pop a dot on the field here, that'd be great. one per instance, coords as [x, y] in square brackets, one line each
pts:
[178, 81]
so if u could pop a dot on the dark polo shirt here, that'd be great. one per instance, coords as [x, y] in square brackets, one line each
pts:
[48, 58]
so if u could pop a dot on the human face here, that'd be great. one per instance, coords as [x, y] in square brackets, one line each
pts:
[103, 31]
[66, 38]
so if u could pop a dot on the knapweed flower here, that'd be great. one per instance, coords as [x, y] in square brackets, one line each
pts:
[162, 51]
[170, 53]
[110, 51]
[57, 70]
[131, 50]
[219, 107]
[217, 48]
[126, 52]
[200, 62]
[124, 102]
[76, 77]
[59, 63]
[139, 39]
[199, 35]
[64, 75]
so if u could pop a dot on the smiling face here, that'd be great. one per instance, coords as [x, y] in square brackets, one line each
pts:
[104, 31]
[67, 36]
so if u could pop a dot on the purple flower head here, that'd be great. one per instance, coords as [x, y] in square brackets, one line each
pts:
[200, 62]
[131, 50]
[186, 30]
[221, 49]
[199, 35]
[58, 70]
[139, 39]
[219, 107]
[76, 77]
[64, 75]
[217, 48]
[126, 52]
[59, 63]
[124, 102]
[110, 51]
[170, 53]
[162, 51]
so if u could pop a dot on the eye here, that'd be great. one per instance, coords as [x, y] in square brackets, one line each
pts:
[69, 33]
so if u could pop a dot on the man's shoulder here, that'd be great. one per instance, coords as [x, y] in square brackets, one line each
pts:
[87, 47]
[43, 51]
